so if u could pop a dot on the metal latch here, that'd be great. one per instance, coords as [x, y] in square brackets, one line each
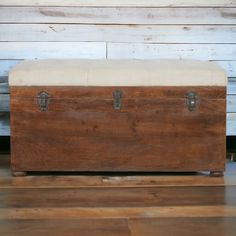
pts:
[192, 100]
[117, 96]
[43, 100]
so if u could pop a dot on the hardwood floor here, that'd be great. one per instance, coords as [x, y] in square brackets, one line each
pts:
[154, 204]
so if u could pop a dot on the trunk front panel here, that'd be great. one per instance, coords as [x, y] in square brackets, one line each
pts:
[153, 130]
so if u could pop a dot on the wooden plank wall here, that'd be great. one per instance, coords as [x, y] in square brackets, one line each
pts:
[198, 29]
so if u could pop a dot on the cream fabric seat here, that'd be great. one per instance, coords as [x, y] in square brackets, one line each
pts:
[77, 72]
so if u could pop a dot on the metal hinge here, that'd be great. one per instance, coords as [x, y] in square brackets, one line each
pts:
[192, 100]
[117, 96]
[43, 99]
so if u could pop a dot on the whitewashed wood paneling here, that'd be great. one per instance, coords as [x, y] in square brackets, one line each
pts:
[122, 3]
[231, 124]
[118, 33]
[180, 51]
[4, 102]
[42, 50]
[231, 103]
[4, 88]
[3, 79]
[231, 88]
[4, 124]
[106, 15]
[6, 65]
[229, 66]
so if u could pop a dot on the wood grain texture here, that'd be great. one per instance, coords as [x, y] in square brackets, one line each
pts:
[106, 15]
[117, 197]
[42, 180]
[168, 51]
[81, 180]
[117, 212]
[97, 50]
[83, 227]
[118, 33]
[135, 208]
[231, 91]
[126, 227]
[122, 3]
[42, 50]
[5, 129]
[150, 119]
[184, 226]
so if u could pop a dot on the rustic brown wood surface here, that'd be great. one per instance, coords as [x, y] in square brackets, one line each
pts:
[83, 122]
[107, 205]
[81, 180]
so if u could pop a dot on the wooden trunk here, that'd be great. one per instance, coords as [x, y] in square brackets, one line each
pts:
[82, 129]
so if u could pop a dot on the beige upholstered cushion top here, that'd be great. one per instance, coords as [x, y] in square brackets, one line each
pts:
[117, 73]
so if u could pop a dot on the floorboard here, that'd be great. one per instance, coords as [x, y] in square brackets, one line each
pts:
[117, 204]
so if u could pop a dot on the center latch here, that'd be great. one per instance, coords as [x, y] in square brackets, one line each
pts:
[192, 100]
[117, 96]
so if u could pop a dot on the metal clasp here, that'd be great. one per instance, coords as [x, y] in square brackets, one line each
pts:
[117, 96]
[192, 100]
[43, 100]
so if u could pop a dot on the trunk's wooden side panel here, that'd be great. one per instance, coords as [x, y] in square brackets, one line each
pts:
[154, 130]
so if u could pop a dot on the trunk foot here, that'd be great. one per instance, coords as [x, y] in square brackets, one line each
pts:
[19, 173]
[216, 173]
